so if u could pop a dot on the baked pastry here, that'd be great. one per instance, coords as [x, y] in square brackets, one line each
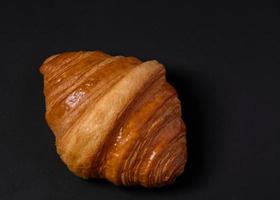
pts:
[114, 117]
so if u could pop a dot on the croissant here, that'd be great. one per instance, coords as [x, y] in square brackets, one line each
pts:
[114, 117]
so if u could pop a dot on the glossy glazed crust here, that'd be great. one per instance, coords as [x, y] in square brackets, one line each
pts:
[114, 117]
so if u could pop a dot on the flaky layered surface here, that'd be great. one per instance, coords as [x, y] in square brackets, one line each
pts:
[114, 117]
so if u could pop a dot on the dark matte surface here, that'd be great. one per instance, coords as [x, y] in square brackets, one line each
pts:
[223, 59]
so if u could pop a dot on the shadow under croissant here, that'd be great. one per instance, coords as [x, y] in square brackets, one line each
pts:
[193, 96]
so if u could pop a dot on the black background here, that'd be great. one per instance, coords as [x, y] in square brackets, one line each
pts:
[223, 59]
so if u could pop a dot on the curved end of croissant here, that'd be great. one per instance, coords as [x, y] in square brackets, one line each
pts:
[114, 117]
[59, 59]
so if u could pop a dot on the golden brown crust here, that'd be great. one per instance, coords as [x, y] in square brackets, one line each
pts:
[114, 117]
